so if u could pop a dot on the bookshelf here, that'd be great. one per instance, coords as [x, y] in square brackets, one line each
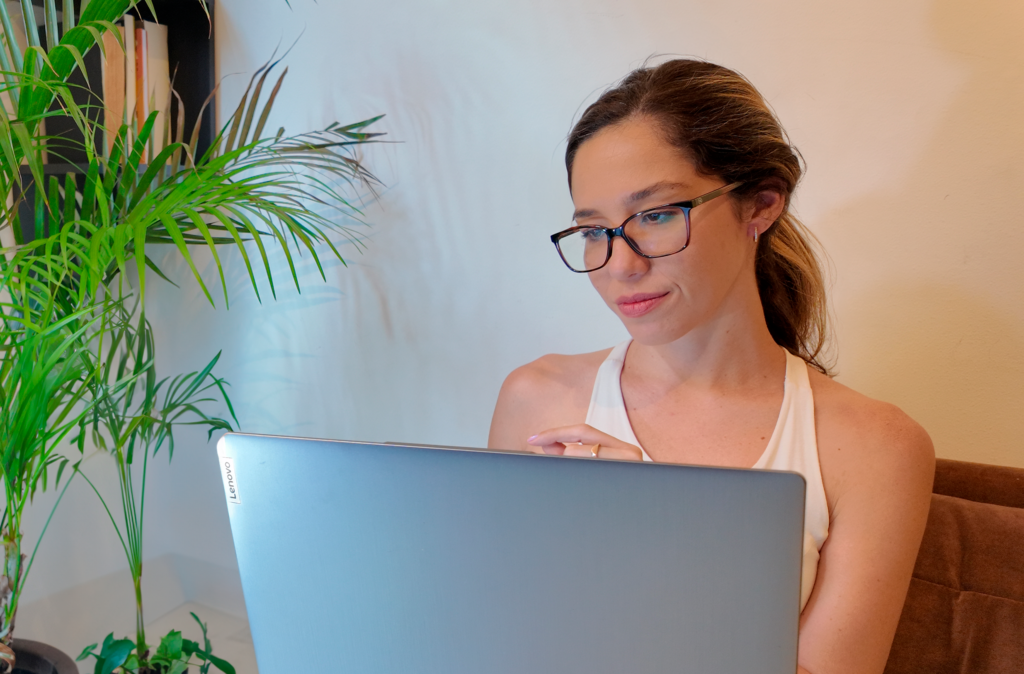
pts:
[190, 52]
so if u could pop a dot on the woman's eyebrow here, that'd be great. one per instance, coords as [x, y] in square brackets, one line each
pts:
[584, 213]
[651, 190]
[634, 198]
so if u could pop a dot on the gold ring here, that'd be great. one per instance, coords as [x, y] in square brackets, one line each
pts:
[594, 450]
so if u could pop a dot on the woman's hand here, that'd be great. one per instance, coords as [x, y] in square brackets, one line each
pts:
[582, 440]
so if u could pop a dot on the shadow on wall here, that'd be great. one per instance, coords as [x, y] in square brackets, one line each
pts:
[943, 337]
[290, 360]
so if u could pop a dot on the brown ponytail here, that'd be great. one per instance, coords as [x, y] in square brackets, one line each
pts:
[725, 127]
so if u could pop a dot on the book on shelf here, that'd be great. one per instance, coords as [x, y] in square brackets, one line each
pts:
[155, 87]
[119, 86]
[114, 89]
[142, 82]
[127, 29]
[151, 83]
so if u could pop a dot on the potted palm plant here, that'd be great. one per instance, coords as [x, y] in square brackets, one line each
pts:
[76, 350]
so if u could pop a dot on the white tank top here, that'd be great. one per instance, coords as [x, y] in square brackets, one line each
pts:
[793, 445]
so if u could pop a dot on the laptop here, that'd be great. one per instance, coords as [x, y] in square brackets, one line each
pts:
[403, 559]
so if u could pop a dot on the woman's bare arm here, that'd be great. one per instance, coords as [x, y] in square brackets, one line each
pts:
[878, 466]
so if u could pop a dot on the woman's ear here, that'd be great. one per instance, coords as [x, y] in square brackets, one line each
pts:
[764, 209]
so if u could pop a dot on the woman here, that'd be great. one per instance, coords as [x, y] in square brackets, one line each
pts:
[682, 178]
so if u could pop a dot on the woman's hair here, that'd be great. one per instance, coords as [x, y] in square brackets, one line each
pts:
[724, 126]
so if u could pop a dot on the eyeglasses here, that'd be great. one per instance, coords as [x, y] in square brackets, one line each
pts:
[657, 232]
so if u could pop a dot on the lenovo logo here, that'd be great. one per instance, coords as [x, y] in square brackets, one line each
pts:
[227, 469]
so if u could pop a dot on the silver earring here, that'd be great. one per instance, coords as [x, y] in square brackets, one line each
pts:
[755, 236]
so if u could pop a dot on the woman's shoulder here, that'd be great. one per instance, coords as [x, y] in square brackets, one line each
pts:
[553, 390]
[865, 443]
[557, 372]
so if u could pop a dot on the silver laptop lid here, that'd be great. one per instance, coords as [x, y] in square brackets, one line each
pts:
[397, 559]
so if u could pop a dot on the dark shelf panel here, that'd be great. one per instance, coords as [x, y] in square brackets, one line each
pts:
[26, 207]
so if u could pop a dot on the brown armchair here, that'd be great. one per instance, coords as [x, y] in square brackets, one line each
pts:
[964, 612]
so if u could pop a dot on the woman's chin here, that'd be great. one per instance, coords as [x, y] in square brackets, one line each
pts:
[650, 333]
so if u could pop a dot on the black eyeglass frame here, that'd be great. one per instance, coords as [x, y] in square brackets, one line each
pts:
[685, 206]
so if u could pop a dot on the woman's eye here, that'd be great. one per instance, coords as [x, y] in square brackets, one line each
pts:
[659, 217]
[593, 234]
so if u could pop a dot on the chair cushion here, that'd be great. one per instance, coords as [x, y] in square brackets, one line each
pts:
[964, 612]
[1000, 485]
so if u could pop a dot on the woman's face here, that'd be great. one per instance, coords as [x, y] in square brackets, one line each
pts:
[627, 168]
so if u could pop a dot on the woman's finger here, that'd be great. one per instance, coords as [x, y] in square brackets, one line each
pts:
[582, 440]
[626, 453]
[576, 434]
[582, 450]
[555, 448]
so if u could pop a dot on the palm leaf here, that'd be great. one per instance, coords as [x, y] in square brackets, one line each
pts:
[52, 29]
[10, 44]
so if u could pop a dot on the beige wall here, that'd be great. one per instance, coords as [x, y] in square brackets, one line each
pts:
[924, 222]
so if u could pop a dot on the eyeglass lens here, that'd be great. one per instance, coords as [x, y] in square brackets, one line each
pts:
[654, 233]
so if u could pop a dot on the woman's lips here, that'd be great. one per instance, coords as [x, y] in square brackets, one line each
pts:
[637, 305]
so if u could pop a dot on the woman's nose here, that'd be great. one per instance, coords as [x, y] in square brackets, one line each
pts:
[624, 262]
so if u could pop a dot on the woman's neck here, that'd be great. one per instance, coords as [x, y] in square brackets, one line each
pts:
[733, 350]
